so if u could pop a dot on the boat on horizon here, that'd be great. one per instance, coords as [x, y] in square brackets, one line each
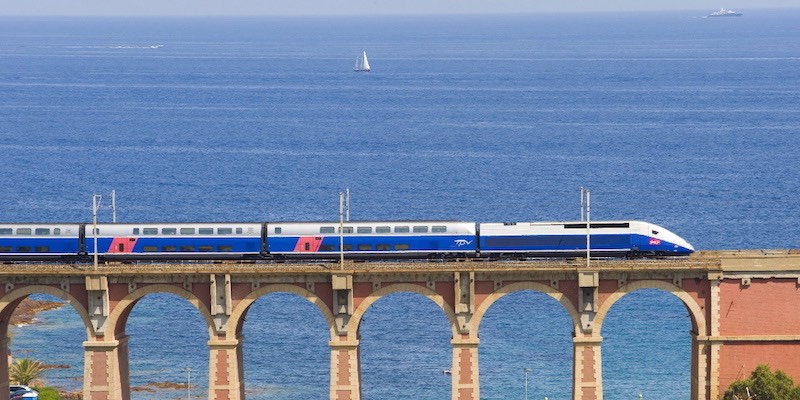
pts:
[724, 13]
[362, 64]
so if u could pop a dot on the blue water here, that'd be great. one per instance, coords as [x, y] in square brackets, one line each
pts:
[687, 122]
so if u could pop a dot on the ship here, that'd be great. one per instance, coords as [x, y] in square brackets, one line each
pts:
[724, 13]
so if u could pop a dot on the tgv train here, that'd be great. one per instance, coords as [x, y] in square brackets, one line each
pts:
[327, 240]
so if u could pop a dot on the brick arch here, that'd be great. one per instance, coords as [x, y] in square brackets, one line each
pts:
[119, 315]
[358, 314]
[520, 286]
[696, 313]
[13, 297]
[236, 320]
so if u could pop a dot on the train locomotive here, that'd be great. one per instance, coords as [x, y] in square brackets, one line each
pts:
[366, 240]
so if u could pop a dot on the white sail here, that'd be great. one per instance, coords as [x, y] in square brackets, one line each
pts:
[362, 64]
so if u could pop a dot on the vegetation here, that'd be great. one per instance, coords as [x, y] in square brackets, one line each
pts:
[764, 384]
[48, 393]
[25, 371]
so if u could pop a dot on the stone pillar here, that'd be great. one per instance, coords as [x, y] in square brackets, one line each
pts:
[465, 373]
[588, 377]
[700, 352]
[713, 346]
[345, 370]
[105, 370]
[225, 370]
[4, 360]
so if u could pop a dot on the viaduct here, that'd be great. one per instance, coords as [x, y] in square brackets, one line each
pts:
[743, 306]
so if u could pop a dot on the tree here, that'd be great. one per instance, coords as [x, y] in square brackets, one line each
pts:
[763, 384]
[25, 371]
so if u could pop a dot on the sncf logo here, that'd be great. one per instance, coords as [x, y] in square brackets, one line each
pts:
[655, 242]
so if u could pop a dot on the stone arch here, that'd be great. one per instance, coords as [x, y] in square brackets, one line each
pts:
[16, 295]
[122, 309]
[696, 313]
[520, 286]
[355, 321]
[236, 320]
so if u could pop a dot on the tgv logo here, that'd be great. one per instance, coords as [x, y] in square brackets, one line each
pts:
[462, 242]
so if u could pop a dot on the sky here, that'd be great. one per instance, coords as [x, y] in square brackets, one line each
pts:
[361, 7]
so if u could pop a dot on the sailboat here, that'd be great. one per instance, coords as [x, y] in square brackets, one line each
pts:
[362, 65]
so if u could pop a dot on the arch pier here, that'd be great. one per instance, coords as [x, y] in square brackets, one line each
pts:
[741, 304]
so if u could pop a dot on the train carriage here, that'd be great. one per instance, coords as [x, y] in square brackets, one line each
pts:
[372, 239]
[38, 242]
[152, 241]
[568, 239]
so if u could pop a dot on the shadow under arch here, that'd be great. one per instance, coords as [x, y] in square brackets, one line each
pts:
[560, 297]
[11, 299]
[358, 314]
[236, 320]
[119, 316]
[696, 313]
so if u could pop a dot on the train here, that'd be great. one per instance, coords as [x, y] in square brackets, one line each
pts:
[364, 240]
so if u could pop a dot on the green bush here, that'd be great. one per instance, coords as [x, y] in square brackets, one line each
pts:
[764, 384]
[47, 393]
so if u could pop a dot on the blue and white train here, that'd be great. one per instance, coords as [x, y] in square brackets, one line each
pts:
[376, 240]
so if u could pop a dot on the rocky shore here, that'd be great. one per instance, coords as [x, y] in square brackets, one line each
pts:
[26, 311]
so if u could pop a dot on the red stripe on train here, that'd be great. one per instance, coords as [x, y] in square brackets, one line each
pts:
[308, 244]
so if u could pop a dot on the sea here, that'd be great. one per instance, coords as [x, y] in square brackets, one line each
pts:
[689, 123]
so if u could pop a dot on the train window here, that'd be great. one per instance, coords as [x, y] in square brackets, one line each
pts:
[365, 246]
[278, 230]
[205, 231]
[383, 229]
[599, 225]
[364, 229]
[420, 229]
[401, 229]
[150, 231]
[401, 247]
[327, 247]
[327, 229]
[347, 229]
[5, 249]
[150, 249]
[348, 247]
[56, 231]
[169, 231]
[135, 231]
[41, 231]
[23, 231]
[187, 231]
[438, 229]
[5, 231]
[205, 248]
[42, 249]
[383, 247]
[654, 232]
[226, 231]
[224, 247]
[187, 248]
[238, 231]
[23, 249]
[169, 248]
